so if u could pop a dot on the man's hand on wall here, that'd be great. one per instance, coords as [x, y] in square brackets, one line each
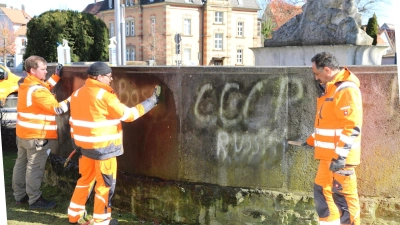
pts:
[299, 143]
[156, 94]
[58, 70]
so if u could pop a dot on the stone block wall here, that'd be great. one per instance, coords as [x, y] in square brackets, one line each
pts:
[214, 150]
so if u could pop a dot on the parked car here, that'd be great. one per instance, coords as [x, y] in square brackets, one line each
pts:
[2, 64]
[8, 88]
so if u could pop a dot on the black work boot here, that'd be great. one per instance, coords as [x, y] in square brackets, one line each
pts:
[24, 200]
[42, 203]
[113, 221]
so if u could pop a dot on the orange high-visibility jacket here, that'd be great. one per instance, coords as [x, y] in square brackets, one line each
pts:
[96, 115]
[338, 120]
[37, 108]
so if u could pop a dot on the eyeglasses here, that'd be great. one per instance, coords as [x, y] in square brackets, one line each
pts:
[108, 76]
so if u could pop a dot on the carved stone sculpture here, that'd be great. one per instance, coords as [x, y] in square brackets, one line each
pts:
[323, 22]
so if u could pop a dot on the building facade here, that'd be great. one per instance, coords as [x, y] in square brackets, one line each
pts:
[186, 32]
[387, 35]
[13, 36]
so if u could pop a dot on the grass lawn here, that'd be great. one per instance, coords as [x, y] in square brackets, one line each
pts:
[22, 215]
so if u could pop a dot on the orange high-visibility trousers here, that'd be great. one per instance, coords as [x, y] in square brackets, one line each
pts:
[335, 195]
[103, 172]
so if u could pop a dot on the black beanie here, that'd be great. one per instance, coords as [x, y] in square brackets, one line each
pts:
[98, 68]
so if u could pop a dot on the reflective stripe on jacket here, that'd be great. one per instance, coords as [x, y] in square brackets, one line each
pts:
[338, 120]
[96, 115]
[37, 108]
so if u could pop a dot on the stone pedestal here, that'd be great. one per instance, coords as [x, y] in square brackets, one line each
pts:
[301, 55]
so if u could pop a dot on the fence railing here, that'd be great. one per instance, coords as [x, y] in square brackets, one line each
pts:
[8, 115]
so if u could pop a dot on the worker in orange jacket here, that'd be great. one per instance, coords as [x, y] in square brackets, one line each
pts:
[36, 131]
[96, 115]
[337, 142]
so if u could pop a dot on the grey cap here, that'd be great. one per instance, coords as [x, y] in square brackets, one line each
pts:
[99, 68]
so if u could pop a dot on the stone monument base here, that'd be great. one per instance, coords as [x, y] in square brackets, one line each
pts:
[301, 55]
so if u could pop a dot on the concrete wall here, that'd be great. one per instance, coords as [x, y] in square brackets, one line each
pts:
[214, 150]
[301, 55]
[389, 60]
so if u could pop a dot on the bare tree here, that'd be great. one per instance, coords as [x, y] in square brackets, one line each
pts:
[369, 7]
[7, 41]
[280, 11]
[296, 2]
[264, 3]
[366, 7]
[277, 13]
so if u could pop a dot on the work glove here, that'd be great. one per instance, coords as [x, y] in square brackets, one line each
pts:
[58, 69]
[304, 144]
[156, 95]
[338, 164]
[149, 103]
[298, 143]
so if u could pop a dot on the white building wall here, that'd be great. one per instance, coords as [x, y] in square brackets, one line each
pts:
[247, 41]
[19, 52]
[192, 41]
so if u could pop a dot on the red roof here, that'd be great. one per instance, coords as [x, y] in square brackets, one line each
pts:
[16, 16]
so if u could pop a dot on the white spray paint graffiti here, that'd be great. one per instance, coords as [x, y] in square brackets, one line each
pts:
[128, 92]
[204, 119]
[234, 145]
[131, 94]
[225, 121]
